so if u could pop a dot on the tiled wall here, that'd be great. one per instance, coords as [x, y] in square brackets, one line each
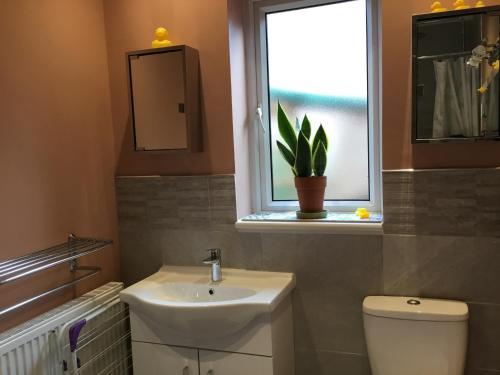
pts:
[174, 219]
[442, 240]
[463, 202]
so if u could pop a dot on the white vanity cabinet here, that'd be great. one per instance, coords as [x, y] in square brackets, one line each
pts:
[154, 359]
[184, 323]
[263, 347]
[157, 359]
[217, 363]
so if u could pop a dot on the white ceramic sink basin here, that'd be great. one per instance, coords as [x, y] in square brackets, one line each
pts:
[185, 300]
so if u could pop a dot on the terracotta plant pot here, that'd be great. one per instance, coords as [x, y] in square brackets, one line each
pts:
[311, 192]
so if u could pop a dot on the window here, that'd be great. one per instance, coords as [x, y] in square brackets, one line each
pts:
[320, 58]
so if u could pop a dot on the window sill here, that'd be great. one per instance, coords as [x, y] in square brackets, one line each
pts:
[335, 223]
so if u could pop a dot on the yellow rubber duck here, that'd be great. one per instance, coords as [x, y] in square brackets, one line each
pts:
[437, 7]
[362, 213]
[480, 4]
[161, 38]
[460, 5]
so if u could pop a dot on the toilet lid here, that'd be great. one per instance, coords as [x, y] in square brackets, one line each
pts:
[411, 308]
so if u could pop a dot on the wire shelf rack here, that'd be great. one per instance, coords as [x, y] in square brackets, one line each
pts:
[39, 261]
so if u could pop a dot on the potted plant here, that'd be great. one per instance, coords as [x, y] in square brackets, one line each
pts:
[308, 161]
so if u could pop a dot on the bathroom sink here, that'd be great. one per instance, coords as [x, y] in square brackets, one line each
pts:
[194, 293]
[185, 299]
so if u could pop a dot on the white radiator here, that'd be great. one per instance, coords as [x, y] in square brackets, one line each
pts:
[41, 345]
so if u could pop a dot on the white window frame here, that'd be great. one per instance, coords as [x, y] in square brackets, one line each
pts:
[258, 102]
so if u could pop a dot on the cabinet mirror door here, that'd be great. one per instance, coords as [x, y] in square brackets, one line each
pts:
[164, 99]
[456, 91]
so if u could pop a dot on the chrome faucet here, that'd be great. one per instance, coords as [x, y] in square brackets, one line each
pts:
[215, 260]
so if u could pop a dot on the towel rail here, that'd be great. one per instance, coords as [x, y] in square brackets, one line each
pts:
[445, 56]
[31, 264]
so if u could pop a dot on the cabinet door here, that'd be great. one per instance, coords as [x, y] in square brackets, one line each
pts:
[154, 359]
[217, 363]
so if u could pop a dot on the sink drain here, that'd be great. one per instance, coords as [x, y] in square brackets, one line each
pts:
[211, 291]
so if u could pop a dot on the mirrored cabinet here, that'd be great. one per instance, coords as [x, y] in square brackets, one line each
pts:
[165, 99]
[456, 92]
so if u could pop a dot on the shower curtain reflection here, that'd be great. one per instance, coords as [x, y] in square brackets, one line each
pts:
[456, 109]
[490, 105]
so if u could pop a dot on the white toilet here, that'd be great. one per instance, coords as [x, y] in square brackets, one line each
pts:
[415, 336]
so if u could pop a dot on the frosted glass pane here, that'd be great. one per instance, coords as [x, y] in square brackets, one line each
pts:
[317, 64]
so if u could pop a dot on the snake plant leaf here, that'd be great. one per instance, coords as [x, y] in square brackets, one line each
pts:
[319, 159]
[286, 130]
[286, 153]
[306, 127]
[303, 157]
[320, 136]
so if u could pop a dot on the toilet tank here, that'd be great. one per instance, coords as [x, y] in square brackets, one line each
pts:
[415, 336]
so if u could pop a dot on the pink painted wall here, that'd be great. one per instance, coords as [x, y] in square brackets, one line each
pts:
[398, 152]
[56, 139]
[200, 24]
[129, 26]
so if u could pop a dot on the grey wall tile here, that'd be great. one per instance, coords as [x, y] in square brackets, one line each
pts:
[281, 253]
[132, 213]
[399, 202]
[249, 254]
[193, 202]
[162, 213]
[348, 265]
[463, 268]
[324, 321]
[322, 362]
[162, 187]
[345, 265]
[462, 202]
[222, 191]
[134, 188]
[194, 217]
[184, 202]
[484, 337]
[222, 218]
[173, 220]
[222, 203]
[488, 202]
[447, 200]
[334, 274]
[182, 247]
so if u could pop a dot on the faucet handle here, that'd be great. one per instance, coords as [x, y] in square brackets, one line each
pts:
[215, 253]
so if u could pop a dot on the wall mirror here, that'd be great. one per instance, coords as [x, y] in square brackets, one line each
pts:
[456, 91]
[164, 99]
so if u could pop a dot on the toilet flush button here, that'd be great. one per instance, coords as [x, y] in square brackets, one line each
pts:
[414, 302]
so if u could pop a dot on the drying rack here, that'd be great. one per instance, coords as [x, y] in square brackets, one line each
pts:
[103, 346]
[39, 261]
